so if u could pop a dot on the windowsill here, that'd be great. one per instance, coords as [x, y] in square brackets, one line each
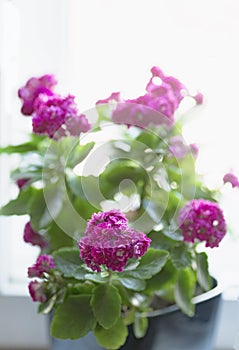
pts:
[33, 333]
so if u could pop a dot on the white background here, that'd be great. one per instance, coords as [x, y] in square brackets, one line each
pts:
[95, 47]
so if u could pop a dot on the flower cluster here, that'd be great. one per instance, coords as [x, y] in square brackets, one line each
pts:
[43, 264]
[33, 88]
[52, 114]
[35, 238]
[232, 179]
[157, 106]
[37, 291]
[202, 220]
[111, 242]
[106, 220]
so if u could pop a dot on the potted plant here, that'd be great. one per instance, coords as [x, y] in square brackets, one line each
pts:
[118, 212]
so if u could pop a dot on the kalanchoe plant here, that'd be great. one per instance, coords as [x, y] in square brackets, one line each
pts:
[118, 222]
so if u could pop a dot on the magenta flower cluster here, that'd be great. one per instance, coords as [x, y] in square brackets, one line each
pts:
[43, 264]
[52, 114]
[109, 241]
[38, 291]
[157, 106]
[107, 220]
[232, 179]
[202, 220]
[33, 88]
[34, 238]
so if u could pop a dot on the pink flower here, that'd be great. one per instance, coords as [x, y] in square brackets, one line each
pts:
[111, 242]
[156, 107]
[143, 112]
[106, 220]
[43, 264]
[198, 98]
[37, 291]
[203, 220]
[21, 183]
[51, 112]
[115, 96]
[35, 238]
[232, 179]
[77, 124]
[112, 247]
[169, 87]
[33, 88]
[177, 147]
[194, 149]
[57, 116]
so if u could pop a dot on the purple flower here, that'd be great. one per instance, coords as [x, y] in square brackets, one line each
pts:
[115, 96]
[156, 107]
[51, 112]
[21, 183]
[143, 112]
[57, 116]
[169, 87]
[111, 242]
[43, 264]
[37, 291]
[35, 238]
[198, 98]
[194, 149]
[232, 179]
[112, 247]
[77, 124]
[33, 88]
[106, 220]
[203, 220]
[177, 147]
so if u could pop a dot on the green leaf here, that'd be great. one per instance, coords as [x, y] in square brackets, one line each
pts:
[106, 305]
[20, 205]
[131, 264]
[150, 264]
[74, 183]
[173, 234]
[96, 277]
[104, 112]
[204, 279]
[164, 279]
[80, 288]
[79, 153]
[68, 261]
[160, 241]
[116, 172]
[22, 148]
[74, 318]
[112, 338]
[87, 188]
[181, 257]
[133, 283]
[70, 221]
[47, 306]
[53, 195]
[149, 139]
[46, 205]
[32, 172]
[57, 238]
[184, 291]
[140, 326]
[84, 208]
[37, 209]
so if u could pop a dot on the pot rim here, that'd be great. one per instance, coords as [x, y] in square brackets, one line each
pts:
[214, 292]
